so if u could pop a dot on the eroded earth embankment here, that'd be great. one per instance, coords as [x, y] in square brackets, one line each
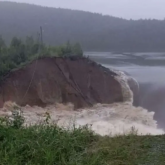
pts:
[76, 91]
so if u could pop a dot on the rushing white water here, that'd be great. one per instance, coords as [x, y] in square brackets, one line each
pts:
[113, 119]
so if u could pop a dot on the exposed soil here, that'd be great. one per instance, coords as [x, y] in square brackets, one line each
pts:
[61, 80]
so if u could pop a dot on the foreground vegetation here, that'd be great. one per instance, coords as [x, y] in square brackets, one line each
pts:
[19, 52]
[51, 145]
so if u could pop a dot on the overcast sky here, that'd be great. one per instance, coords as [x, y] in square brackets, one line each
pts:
[134, 9]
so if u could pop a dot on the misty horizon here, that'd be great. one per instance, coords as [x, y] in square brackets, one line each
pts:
[125, 9]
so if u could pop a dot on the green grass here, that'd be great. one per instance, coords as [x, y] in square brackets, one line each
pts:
[50, 145]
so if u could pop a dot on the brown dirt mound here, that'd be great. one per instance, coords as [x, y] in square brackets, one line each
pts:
[61, 80]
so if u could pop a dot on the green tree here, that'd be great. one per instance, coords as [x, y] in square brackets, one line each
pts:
[68, 48]
[18, 51]
[2, 43]
[77, 50]
[15, 42]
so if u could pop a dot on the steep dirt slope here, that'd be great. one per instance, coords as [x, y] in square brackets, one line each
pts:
[51, 80]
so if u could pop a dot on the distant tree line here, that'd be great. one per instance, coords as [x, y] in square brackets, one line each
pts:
[95, 32]
[19, 52]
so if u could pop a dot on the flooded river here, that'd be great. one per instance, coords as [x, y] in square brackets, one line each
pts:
[148, 69]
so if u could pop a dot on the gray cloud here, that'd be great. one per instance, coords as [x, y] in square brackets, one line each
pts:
[134, 9]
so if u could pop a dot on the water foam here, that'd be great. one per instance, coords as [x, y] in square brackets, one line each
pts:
[111, 120]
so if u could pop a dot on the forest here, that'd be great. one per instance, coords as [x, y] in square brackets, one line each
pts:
[20, 52]
[95, 32]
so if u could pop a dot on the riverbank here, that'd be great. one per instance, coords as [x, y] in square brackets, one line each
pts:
[51, 145]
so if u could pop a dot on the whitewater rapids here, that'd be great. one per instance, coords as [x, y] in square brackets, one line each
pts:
[113, 119]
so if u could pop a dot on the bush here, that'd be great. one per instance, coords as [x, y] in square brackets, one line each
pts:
[16, 120]
[19, 52]
[47, 144]
[44, 145]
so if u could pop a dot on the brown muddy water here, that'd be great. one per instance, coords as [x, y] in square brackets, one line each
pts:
[145, 117]
[149, 71]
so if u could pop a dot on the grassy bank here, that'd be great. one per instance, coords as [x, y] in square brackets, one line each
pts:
[50, 145]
